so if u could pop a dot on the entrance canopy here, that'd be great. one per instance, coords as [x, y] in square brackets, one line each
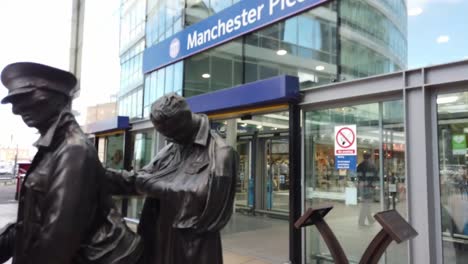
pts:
[276, 90]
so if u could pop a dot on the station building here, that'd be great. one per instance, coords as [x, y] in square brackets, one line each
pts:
[278, 79]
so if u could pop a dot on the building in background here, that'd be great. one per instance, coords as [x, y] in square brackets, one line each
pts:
[100, 112]
[277, 91]
[10, 153]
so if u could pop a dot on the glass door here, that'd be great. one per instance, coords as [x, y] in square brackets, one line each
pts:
[452, 117]
[358, 185]
[277, 177]
[245, 181]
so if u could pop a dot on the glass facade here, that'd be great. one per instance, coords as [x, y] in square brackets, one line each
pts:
[370, 48]
[452, 113]
[160, 82]
[132, 22]
[377, 182]
[330, 43]
[132, 45]
[164, 19]
[337, 41]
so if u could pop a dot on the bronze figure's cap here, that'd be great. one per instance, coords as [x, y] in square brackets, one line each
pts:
[24, 77]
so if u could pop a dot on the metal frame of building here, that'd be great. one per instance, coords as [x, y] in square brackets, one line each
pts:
[418, 88]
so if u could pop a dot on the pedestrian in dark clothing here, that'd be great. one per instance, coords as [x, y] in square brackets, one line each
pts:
[189, 188]
[65, 216]
[367, 174]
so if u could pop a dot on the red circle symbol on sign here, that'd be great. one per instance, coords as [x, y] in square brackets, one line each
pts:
[345, 137]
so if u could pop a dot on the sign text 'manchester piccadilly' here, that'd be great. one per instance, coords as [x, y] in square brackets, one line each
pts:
[235, 21]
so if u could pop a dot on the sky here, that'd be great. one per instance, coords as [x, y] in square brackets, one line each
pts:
[437, 32]
[39, 31]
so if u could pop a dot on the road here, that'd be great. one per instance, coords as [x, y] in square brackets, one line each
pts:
[7, 193]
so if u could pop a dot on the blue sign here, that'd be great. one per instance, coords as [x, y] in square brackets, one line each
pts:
[277, 89]
[345, 162]
[241, 18]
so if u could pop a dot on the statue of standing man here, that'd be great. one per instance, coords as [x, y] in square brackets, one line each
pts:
[65, 212]
[189, 188]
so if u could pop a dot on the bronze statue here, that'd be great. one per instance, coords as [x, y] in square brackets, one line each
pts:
[189, 188]
[65, 215]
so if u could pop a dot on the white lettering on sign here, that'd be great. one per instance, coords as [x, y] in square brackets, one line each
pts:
[282, 4]
[225, 27]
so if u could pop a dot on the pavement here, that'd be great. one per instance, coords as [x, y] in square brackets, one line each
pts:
[8, 206]
[260, 239]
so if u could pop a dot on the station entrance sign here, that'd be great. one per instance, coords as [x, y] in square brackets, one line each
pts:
[345, 147]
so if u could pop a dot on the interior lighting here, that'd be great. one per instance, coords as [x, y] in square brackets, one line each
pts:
[447, 100]
[243, 125]
[320, 68]
[206, 75]
[416, 11]
[281, 52]
[259, 126]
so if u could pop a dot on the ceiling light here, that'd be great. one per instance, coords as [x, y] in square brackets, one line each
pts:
[416, 11]
[447, 100]
[206, 75]
[282, 52]
[243, 125]
[320, 68]
[443, 39]
[259, 126]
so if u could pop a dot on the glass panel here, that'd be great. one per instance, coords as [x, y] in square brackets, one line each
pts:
[102, 149]
[245, 184]
[278, 168]
[452, 114]
[212, 71]
[373, 183]
[161, 83]
[142, 153]
[299, 45]
[114, 152]
[262, 144]
[169, 79]
[178, 75]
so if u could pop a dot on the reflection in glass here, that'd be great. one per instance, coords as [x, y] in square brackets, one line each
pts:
[244, 185]
[375, 184]
[142, 151]
[278, 174]
[452, 114]
[262, 187]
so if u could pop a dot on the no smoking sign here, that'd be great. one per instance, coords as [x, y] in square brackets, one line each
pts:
[345, 140]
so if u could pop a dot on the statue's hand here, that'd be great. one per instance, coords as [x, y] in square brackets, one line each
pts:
[121, 182]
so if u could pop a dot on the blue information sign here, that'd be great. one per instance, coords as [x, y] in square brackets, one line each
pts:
[345, 162]
[235, 21]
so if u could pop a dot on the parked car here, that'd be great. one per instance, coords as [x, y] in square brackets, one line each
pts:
[5, 170]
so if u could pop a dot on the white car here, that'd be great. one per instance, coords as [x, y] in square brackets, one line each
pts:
[5, 169]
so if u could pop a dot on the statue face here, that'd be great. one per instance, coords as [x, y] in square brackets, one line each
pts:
[178, 128]
[35, 108]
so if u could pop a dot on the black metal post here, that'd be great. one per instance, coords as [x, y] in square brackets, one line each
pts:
[128, 155]
[295, 191]
[253, 169]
